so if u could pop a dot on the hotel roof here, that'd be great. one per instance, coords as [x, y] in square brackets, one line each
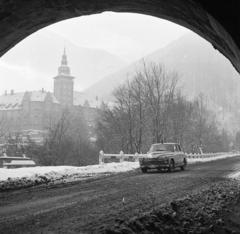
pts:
[13, 101]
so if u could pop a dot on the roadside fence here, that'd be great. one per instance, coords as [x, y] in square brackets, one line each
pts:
[121, 156]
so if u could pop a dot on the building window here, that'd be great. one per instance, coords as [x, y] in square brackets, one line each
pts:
[25, 106]
[25, 118]
[48, 106]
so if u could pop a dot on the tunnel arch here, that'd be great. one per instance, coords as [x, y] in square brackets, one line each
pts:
[218, 24]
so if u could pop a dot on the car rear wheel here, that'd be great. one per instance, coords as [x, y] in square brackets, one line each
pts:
[144, 170]
[184, 164]
[171, 166]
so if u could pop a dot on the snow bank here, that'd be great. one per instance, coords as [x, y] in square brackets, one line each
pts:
[59, 171]
[195, 160]
[235, 175]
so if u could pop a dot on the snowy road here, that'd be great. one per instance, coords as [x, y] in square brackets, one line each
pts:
[91, 205]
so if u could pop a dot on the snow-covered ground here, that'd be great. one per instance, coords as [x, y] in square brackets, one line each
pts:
[235, 175]
[194, 160]
[59, 171]
[69, 170]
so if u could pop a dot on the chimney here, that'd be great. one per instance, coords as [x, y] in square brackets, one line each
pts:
[42, 90]
[97, 98]
[5, 92]
[12, 91]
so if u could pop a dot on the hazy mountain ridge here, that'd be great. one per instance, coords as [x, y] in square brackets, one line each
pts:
[201, 69]
[43, 52]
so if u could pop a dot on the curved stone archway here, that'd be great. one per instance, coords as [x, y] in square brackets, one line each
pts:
[217, 22]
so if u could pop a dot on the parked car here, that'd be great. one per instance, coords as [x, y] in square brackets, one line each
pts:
[164, 156]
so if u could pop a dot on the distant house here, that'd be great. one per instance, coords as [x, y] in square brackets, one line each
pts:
[34, 109]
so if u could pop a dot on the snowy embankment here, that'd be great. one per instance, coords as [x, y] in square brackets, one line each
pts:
[26, 177]
[58, 171]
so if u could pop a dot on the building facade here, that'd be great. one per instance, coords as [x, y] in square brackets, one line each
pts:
[34, 110]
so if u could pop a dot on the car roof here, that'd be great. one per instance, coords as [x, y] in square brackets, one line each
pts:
[168, 143]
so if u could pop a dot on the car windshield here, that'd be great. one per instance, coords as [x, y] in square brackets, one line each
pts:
[161, 147]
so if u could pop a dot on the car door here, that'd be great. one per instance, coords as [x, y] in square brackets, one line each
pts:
[181, 155]
[178, 156]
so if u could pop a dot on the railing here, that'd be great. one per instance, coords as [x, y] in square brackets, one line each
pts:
[121, 156]
[209, 155]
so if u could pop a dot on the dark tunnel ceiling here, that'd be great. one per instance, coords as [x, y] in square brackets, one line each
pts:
[216, 21]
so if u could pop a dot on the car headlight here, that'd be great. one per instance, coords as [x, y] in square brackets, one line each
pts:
[149, 155]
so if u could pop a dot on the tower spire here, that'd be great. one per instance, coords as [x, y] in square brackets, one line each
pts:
[64, 52]
[64, 69]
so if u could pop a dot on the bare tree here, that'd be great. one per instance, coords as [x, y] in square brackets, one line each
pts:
[150, 107]
[125, 108]
[159, 90]
[142, 106]
[68, 142]
[204, 125]
[111, 129]
[180, 121]
[55, 138]
[140, 112]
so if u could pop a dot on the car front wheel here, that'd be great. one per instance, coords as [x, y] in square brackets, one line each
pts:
[171, 166]
[144, 170]
[184, 164]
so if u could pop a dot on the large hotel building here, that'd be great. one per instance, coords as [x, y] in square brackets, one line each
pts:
[32, 110]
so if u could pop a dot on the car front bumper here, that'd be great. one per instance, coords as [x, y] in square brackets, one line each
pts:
[154, 164]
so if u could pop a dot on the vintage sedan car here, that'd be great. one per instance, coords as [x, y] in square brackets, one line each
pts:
[164, 156]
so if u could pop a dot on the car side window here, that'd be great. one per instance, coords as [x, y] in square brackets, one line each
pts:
[176, 148]
[179, 148]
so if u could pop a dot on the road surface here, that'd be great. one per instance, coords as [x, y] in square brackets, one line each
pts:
[92, 205]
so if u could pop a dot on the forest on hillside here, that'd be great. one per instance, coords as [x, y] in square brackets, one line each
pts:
[201, 69]
[150, 107]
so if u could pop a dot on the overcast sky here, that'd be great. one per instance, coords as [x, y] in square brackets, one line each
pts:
[128, 36]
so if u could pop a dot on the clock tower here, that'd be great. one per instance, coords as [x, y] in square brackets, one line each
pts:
[64, 83]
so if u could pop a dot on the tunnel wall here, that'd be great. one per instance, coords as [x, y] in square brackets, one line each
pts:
[218, 21]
